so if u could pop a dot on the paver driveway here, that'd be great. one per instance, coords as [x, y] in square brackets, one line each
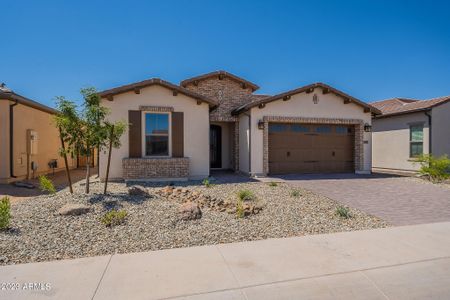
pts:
[398, 200]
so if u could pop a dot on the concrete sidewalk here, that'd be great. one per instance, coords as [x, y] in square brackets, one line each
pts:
[411, 262]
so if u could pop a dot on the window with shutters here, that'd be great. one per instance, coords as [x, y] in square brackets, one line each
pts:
[157, 131]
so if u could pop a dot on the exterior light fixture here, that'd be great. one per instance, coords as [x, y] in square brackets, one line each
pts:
[367, 127]
[260, 124]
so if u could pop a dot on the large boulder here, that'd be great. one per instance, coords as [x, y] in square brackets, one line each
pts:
[73, 209]
[137, 190]
[190, 211]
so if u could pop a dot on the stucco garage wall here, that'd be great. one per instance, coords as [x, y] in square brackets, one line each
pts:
[441, 129]
[390, 139]
[196, 127]
[4, 139]
[301, 105]
[244, 144]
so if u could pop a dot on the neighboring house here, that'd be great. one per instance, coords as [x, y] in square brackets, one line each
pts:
[407, 128]
[215, 121]
[29, 141]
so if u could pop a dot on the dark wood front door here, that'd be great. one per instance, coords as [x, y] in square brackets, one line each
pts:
[215, 146]
[306, 148]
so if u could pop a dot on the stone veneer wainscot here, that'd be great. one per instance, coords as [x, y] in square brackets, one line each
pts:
[155, 168]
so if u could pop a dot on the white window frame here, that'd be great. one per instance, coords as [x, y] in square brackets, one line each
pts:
[169, 135]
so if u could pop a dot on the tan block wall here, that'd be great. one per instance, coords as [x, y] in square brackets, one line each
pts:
[227, 92]
[155, 168]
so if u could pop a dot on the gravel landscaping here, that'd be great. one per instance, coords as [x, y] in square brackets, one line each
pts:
[39, 233]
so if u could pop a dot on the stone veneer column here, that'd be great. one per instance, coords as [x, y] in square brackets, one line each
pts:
[236, 146]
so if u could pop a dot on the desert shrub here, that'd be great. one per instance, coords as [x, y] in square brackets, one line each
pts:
[295, 193]
[114, 217]
[436, 168]
[246, 195]
[240, 213]
[206, 183]
[5, 213]
[343, 212]
[46, 185]
[273, 184]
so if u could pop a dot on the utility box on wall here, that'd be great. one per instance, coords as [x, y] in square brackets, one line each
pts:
[32, 142]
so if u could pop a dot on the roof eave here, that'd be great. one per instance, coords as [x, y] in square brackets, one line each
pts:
[27, 102]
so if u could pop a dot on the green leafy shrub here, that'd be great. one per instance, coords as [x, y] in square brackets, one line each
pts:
[343, 212]
[246, 195]
[436, 168]
[273, 184]
[46, 185]
[240, 213]
[295, 193]
[5, 213]
[206, 183]
[114, 217]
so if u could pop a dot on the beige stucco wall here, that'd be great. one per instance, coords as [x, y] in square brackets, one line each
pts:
[4, 140]
[301, 105]
[390, 139]
[48, 143]
[226, 143]
[244, 143]
[441, 129]
[196, 127]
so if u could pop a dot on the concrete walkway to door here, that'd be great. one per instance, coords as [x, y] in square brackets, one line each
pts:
[397, 200]
[410, 262]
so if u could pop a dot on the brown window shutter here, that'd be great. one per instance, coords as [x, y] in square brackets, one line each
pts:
[177, 134]
[135, 133]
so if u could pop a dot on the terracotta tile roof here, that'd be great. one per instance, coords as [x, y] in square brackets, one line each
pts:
[155, 81]
[220, 73]
[326, 88]
[398, 106]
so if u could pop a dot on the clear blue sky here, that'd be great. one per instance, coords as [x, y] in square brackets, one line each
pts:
[371, 50]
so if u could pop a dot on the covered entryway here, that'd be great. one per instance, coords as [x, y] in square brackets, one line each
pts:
[311, 148]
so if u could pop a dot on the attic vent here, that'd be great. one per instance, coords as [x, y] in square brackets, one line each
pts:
[315, 99]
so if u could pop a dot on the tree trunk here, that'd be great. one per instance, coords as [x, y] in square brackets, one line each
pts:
[65, 162]
[88, 170]
[109, 158]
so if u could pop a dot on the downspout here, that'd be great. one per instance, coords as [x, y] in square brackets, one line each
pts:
[427, 113]
[11, 139]
[249, 142]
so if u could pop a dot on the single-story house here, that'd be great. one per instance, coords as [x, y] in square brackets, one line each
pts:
[216, 121]
[407, 128]
[29, 140]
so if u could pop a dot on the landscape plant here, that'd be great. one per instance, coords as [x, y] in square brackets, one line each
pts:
[5, 213]
[46, 185]
[240, 212]
[273, 184]
[84, 129]
[246, 195]
[206, 182]
[437, 169]
[295, 193]
[343, 212]
[114, 217]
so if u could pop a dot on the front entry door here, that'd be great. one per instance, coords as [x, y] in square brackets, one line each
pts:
[215, 146]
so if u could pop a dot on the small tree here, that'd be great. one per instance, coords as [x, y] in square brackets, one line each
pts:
[83, 130]
[114, 131]
[436, 168]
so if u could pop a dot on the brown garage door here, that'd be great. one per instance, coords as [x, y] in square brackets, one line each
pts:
[305, 148]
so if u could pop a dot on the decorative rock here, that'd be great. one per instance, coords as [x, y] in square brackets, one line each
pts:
[190, 211]
[73, 209]
[137, 190]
